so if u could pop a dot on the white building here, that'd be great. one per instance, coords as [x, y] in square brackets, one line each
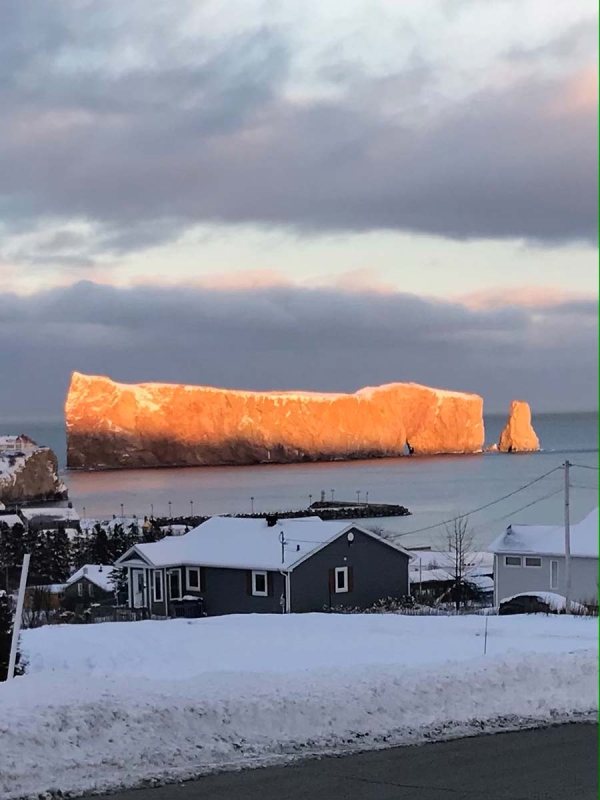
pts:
[531, 558]
[17, 444]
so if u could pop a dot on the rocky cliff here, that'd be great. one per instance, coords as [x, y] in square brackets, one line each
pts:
[30, 476]
[518, 434]
[112, 425]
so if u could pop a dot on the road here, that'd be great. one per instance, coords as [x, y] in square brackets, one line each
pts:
[559, 763]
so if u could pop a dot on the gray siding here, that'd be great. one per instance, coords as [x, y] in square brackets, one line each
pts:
[225, 591]
[514, 580]
[378, 571]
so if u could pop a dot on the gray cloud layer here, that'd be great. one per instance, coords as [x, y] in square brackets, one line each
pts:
[202, 131]
[289, 338]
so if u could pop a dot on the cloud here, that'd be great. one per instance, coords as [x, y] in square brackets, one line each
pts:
[143, 125]
[289, 337]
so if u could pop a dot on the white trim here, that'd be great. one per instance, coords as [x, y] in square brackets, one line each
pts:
[255, 592]
[288, 593]
[345, 532]
[554, 561]
[346, 587]
[532, 566]
[80, 589]
[513, 566]
[169, 573]
[197, 588]
[159, 573]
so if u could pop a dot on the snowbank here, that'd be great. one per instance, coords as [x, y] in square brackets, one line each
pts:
[117, 704]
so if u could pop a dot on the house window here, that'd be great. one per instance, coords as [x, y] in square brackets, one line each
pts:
[341, 579]
[174, 584]
[259, 584]
[512, 561]
[158, 586]
[80, 589]
[193, 578]
[554, 574]
[91, 589]
[533, 561]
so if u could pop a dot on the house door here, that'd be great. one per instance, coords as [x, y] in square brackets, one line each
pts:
[174, 584]
[137, 580]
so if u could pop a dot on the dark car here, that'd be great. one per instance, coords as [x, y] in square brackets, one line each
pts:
[525, 604]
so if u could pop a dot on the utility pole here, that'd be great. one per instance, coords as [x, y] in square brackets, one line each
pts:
[12, 659]
[567, 542]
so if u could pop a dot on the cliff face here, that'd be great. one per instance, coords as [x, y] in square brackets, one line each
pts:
[112, 425]
[31, 476]
[518, 434]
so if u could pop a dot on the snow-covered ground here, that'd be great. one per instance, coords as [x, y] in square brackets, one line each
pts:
[116, 704]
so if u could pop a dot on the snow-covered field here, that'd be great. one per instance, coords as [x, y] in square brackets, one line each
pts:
[117, 704]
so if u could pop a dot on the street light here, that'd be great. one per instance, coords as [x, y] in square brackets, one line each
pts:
[310, 500]
[170, 515]
[121, 510]
[191, 508]
[332, 493]
[252, 505]
[367, 497]
[358, 496]
[152, 510]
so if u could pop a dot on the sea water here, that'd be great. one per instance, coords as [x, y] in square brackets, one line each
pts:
[434, 489]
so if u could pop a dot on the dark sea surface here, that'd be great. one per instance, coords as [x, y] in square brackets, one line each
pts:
[433, 488]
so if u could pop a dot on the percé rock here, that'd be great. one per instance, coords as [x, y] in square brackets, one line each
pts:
[30, 476]
[113, 425]
[518, 435]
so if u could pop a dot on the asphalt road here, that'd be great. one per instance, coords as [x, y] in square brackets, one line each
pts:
[559, 763]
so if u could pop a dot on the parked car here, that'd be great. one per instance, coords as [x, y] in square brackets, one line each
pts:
[538, 603]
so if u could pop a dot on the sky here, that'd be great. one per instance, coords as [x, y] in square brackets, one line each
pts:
[283, 195]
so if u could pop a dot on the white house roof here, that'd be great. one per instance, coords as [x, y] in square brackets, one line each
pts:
[240, 543]
[11, 520]
[98, 574]
[550, 539]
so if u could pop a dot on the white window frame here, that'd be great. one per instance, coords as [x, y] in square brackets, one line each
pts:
[340, 571]
[158, 573]
[169, 573]
[552, 585]
[255, 591]
[80, 589]
[91, 589]
[513, 566]
[532, 566]
[191, 588]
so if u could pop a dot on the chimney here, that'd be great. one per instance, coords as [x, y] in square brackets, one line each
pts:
[271, 520]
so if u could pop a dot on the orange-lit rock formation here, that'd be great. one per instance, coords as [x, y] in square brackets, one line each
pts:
[518, 434]
[115, 425]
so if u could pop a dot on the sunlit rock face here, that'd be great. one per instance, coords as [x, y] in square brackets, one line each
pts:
[518, 434]
[114, 425]
[30, 476]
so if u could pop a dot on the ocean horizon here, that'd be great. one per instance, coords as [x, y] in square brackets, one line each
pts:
[433, 488]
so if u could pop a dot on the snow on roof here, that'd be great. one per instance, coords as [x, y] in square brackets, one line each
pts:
[442, 559]
[11, 520]
[550, 539]
[98, 574]
[245, 543]
[55, 513]
[110, 524]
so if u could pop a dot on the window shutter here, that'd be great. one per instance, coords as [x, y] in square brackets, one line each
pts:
[202, 579]
[350, 578]
[270, 587]
[332, 580]
[249, 582]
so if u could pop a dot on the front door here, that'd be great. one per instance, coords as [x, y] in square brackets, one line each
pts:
[174, 584]
[137, 580]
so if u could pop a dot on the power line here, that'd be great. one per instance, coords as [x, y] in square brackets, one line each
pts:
[517, 510]
[585, 466]
[481, 508]
[584, 486]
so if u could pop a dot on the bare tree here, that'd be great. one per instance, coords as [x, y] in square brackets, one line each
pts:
[458, 555]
